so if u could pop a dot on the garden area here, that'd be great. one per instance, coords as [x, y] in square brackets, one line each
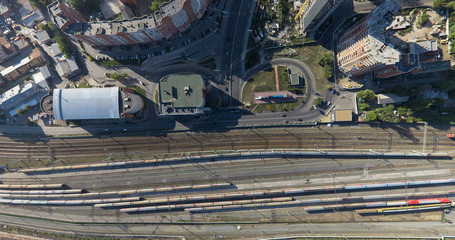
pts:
[265, 81]
[311, 56]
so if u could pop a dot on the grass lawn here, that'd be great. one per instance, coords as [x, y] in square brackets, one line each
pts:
[265, 82]
[83, 84]
[283, 78]
[308, 55]
[277, 107]
[139, 90]
[110, 63]
[261, 82]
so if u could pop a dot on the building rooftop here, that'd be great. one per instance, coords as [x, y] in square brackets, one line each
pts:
[57, 14]
[41, 36]
[390, 98]
[3, 7]
[113, 27]
[17, 95]
[86, 103]
[342, 116]
[399, 22]
[15, 66]
[66, 67]
[366, 45]
[311, 9]
[182, 91]
[295, 79]
[41, 76]
[424, 46]
[435, 66]
[54, 50]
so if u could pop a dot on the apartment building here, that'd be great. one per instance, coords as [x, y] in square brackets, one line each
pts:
[313, 13]
[364, 47]
[367, 47]
[174, 16]
[64, 16]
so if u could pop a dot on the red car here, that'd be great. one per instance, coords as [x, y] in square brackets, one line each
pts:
[451, 136]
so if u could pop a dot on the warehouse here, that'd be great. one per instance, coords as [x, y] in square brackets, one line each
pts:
[92, 103]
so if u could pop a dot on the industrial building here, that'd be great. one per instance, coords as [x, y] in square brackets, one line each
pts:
[313, 13]
[182, 95]
[175, 16]
[92, 103]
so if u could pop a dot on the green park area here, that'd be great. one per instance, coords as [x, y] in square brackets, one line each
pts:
[316, 57]
[265, 82]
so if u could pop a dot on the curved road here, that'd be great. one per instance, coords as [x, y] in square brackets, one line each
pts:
[308, 75]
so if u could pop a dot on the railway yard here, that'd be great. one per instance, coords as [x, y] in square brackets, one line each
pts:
[257, 183]
[38, 152]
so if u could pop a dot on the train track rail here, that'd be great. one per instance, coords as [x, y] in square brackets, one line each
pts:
[307, 138]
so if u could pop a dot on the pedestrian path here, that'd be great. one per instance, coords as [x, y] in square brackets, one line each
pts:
[276, 79]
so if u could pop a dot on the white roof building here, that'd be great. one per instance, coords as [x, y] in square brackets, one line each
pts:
[86, 103]
[17, 95]
[41, 76]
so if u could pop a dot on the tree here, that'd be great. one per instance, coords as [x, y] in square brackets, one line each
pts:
[318, 101]
[118, 76]
[63, 45]
[404, 111]
[85, 6]
[328, 69]
[26, 107]
[424, 19]
[385, 114]
[325, 59]
[20, 112]
[440, 3]
[366, 95]
[27, 78]
[364, 106]
[451, 6]
[155, 6]
[371, 116]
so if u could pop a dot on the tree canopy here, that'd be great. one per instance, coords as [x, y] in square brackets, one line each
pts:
[366, 95]
[85, 6]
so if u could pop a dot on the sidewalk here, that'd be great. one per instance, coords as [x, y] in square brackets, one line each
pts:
[277, 83]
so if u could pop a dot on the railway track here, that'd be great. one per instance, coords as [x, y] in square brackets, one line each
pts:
[304, 138]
